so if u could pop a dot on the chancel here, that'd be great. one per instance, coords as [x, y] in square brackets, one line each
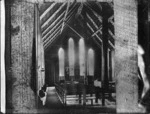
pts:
[74, 56]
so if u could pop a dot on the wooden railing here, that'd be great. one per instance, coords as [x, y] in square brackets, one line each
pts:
[71, 90]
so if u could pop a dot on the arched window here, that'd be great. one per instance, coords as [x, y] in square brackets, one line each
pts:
[71, 57]
[61, 55]
[82, 57]
[90, 62]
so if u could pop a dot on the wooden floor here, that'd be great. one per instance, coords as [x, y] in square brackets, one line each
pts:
[54, 106]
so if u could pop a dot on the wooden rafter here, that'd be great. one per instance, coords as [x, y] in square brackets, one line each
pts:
[99, 17]
[47, 39]
[49, 19]
[98, 28]
[93, 37]
[47, 10]
[50, 41]
[70, 13]
[95, 13]
[112, 45]
[73, 30]
[68, 4]
[54, 23]
[113, 36]
[93, 32]
[71, 8]
[89, 17]
[67, 20]
[54, 27]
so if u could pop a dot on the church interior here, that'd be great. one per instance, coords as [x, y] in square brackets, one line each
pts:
[74, 51]
[82, 54]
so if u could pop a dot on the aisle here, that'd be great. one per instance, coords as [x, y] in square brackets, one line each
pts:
[54, 106]
[52, 100]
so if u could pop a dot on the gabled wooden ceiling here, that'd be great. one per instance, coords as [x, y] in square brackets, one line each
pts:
[55, 18]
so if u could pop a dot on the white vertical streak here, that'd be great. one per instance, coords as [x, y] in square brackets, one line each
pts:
[71, 57]
[3, 89]
[61, 55]
[82, 57]
[91, 62]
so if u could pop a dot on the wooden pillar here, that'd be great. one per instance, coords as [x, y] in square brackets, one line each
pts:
[126, 30]
[22, 30]
[105, 51]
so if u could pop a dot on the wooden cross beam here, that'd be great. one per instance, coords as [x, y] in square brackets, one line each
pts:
[70, 13]
[54, 27]
[68, 4]
[74, 30]
[90, 18]
[93, 32]
[94, 38]
[111, 45]
[48, 39]
[113, 36]
[47, 10]
[49, 19]
[95, 13]
[99, 30]
[53, 24]
[52, 39]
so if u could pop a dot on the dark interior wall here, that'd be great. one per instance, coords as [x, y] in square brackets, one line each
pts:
[51, 72]
[143, 32]
[47, 70]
